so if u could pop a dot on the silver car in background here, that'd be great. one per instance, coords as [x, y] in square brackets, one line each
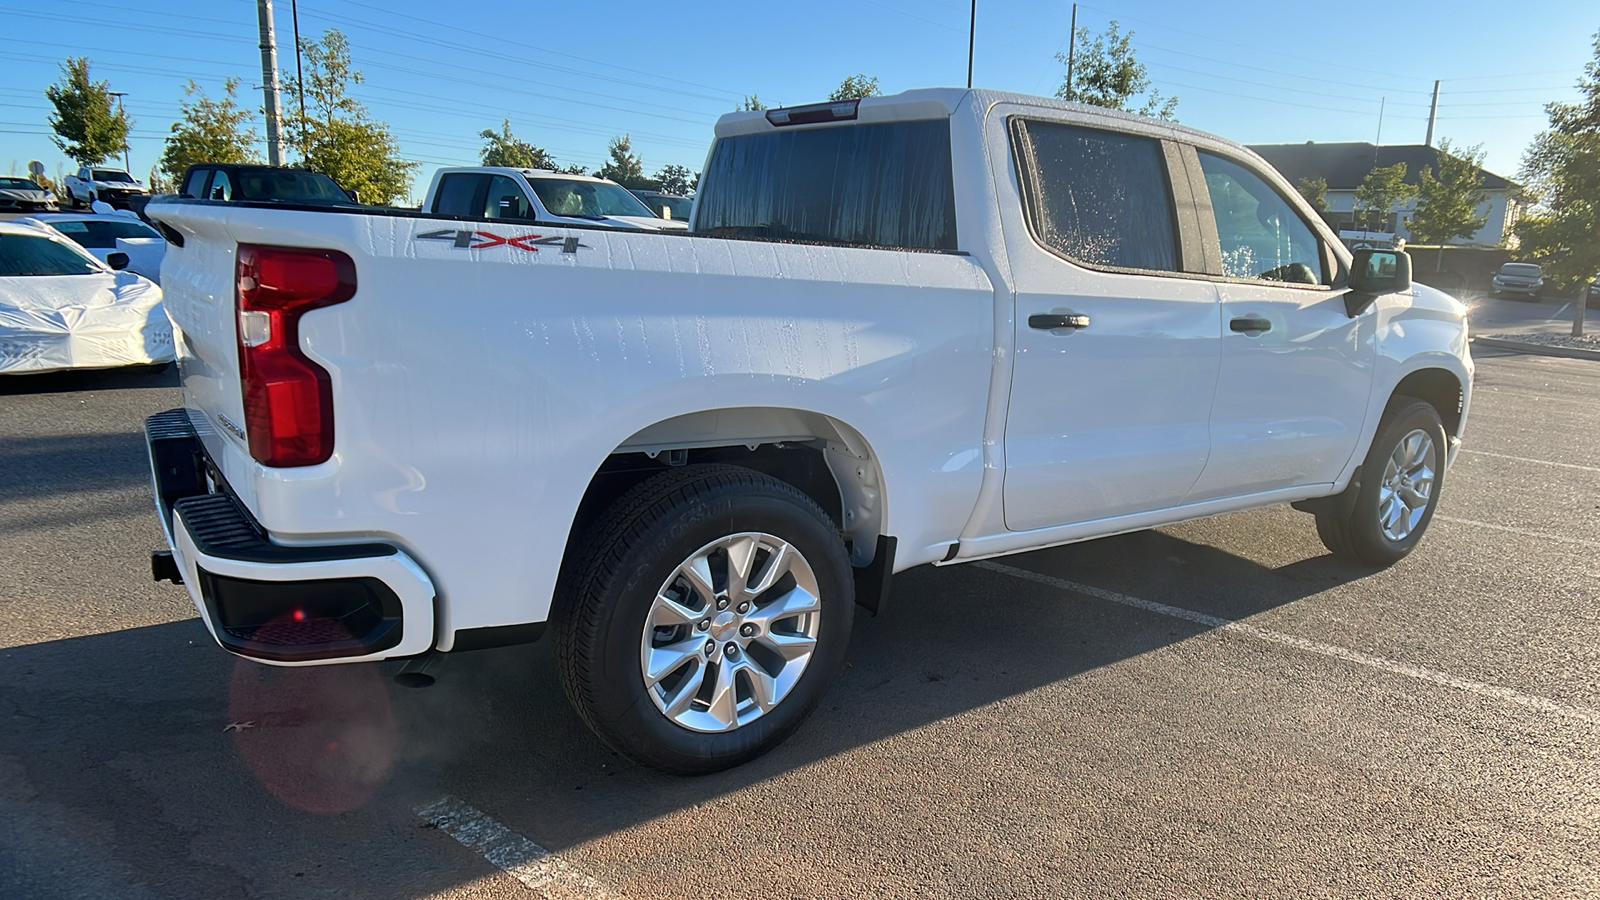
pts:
[1526, 279]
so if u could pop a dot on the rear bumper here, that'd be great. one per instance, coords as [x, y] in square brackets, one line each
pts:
[280, 604]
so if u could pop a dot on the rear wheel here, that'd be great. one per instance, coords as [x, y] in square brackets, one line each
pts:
[1380, 518]
[708, 616]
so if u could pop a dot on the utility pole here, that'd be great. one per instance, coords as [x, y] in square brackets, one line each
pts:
[1072, 47]
[972, 36]
[127, 164]
[269, 82]
[1433, 114]
[1379, 141]
[300, 75]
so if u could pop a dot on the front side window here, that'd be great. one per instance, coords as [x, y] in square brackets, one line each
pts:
[25, 255]
[587, 199]
[221, 187]
[1098, 197]
[1262, 236]
[880, 185]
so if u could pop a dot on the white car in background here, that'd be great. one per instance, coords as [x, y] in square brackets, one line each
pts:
[61, 308]
[103, 235]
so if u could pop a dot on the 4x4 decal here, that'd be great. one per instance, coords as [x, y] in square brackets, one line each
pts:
[478, 240]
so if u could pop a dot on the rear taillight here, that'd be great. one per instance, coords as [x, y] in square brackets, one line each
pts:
[288, 399]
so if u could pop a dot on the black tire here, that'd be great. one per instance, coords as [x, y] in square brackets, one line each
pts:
[1349, 523]
[608, 593]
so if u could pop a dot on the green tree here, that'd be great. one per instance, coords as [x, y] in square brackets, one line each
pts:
[1315, 190]
[675, 179]
[158, 183]
[1447, 204]
[1379, 193]
[1563, 169]
[209, 131]
[503, 148]
[86, 123]
[856, 87]
[751, 102]
[624, 167]
[575, 169]
[336, 135]
[1105, 72]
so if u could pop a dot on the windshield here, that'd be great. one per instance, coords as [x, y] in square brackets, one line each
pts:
[1525, 270]
[18, 184]
[22, 254]
[111, 175]
[587, 199]
[102, 235]
[287, 185]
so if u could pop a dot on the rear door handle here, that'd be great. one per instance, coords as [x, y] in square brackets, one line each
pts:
[1052, 321]
[1251, 325]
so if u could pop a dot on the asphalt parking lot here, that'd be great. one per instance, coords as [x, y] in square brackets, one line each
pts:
[1216, 709]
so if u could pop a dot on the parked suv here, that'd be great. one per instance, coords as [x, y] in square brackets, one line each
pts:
[1526, 279]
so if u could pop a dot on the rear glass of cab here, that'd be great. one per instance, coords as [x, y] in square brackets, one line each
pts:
[886, 184]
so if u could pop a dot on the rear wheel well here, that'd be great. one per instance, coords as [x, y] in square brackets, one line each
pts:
[1441, 389]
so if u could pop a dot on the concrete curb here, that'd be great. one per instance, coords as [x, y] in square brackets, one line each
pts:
[1539, 349]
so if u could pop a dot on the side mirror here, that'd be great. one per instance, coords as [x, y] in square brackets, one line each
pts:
[1375, 272]
[117, 260]
[354, 197]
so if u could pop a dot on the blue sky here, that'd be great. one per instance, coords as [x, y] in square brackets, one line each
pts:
[571, 75]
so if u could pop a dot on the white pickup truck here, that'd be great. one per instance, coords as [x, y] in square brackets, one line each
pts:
[539, 195]
[926, 328]
[91, 183]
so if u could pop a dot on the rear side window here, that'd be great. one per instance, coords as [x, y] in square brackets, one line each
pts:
[456, 194]
[1098, 197]
[878, 185]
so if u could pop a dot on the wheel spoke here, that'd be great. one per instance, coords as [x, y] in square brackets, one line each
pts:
[763, 687]
[793, 603]
[776, 567]
[663, 661]
[697, 572]
[679, 702]
[741, 558]
[668, 611]
[723, 700]
[788, 646]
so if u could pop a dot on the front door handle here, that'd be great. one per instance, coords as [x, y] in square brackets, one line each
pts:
[1251, 325]
[1052, 321]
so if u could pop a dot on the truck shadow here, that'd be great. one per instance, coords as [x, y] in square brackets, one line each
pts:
[161, 739]
[129, 378]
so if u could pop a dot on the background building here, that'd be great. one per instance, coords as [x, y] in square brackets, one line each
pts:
[1345, 165]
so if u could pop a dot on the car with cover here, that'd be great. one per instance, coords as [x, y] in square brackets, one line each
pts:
[61, 308]
[929, 328]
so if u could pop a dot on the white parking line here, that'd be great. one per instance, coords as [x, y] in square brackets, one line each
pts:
[529, 863]
[1394, 667]
[1542, 462]
[1544, 535]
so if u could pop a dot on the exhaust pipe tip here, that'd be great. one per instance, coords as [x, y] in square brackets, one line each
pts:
[415, 674]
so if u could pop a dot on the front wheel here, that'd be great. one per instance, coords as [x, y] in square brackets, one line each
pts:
[1380, 518]
[708, 615]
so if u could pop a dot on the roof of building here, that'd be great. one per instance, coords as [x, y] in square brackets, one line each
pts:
[1345, 165]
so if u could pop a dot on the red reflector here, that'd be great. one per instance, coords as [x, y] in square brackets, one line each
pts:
[288, 399]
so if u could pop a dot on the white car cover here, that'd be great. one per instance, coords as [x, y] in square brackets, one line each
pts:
[100, 320]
